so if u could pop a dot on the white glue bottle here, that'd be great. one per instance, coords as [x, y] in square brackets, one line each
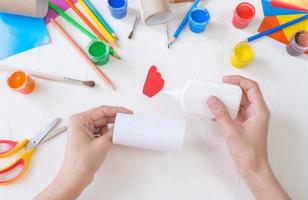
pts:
[193, 96]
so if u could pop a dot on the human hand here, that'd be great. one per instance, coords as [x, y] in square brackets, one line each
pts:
[246, 138]
[179, 1]
[90, 138]
[88, 142]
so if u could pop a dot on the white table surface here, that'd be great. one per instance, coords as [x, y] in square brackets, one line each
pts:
[203, 170]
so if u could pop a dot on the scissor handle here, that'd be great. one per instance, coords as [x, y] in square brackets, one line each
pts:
[11, 147]
[17, 170]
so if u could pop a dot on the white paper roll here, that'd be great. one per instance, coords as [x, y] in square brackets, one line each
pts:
[155, 12]
[31, 8]
[149, 133]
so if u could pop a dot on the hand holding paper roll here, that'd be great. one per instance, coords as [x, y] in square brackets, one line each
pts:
[88, 143]
[180, 1]
[30, 8]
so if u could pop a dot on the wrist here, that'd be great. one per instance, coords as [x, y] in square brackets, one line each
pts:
[254, 171]
[68, 184]
[263, 183]
[74, 177]
[256, 176]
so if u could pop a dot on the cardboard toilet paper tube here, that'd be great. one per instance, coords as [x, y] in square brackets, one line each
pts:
[155, 12]
[31, 8]
[149, 133]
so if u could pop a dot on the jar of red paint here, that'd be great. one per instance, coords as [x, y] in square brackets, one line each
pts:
[243, 15]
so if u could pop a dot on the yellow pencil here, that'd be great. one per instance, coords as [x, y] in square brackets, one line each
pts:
[97, 22]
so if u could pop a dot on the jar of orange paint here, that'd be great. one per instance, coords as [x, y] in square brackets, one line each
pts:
[21, 82]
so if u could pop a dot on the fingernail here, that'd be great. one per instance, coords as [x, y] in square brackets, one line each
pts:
[212, 101]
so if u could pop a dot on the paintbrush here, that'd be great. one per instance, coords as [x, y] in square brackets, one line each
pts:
[130, 36]
[51, 77]
[167, 32]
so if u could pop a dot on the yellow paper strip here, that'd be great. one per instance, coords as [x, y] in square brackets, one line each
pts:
[291, 30]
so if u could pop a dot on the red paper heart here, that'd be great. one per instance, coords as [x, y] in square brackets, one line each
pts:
[153, 83]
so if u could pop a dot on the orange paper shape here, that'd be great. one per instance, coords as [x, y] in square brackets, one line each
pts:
[270, 22]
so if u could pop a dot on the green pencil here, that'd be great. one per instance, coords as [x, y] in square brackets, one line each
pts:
[79, 27]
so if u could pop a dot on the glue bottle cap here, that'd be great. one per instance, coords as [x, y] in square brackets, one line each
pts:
[176, 94]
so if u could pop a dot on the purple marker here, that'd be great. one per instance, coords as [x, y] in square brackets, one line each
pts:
[297, 46]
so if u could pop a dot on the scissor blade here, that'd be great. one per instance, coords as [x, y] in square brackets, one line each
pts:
[54, 133]
[36, 140]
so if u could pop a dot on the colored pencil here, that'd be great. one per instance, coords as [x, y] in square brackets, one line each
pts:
[277, 28]
[100, 18]
[72, 21]
[86, 21]
[97, 22]
[183, 23]
[79, 27]
[82, 53]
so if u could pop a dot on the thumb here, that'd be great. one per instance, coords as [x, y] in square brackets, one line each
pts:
[221, 114]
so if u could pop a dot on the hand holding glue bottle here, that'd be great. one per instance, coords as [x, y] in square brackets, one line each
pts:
[243, 117]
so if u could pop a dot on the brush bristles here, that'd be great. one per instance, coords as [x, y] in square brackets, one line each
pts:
[89, 83]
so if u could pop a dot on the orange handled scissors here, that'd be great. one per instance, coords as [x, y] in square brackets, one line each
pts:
[17, 170]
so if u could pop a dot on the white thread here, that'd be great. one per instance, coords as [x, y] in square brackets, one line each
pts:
[7, 121]
[203, 129]
[237, 183]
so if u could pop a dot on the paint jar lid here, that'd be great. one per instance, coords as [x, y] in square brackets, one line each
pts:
[98, 49]
[245, 11]
[243, 52]
[117, 5]
[200, 16]
[17, 79]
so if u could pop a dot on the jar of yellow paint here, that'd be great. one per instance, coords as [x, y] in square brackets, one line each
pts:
[242, 55]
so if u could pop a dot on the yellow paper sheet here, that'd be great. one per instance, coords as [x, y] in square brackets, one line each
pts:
[291, 30]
